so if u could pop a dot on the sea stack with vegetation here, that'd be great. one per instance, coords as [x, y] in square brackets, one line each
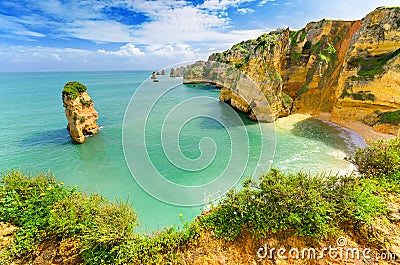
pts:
[340, 71]
[80, 112]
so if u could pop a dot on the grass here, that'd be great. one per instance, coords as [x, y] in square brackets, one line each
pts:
[103, 232]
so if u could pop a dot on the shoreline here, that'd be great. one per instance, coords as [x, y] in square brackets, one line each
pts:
[363, 134]
[366, 132]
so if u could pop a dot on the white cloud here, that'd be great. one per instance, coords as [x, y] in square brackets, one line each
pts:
[100, 31]
[128, 50]
[11, 25]
[245, 10]
[263, 2]
[181, 51]
[223, 4]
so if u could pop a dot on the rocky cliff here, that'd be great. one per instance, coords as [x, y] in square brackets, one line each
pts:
[339, 70]
[80, 112]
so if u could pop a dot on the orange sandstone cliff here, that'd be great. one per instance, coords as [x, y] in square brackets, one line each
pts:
[337, 70]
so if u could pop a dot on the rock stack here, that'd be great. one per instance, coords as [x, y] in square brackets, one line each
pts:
[80, 112]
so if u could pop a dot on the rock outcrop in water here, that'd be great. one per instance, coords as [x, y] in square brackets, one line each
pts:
[178, 72]
[80, 112]
[339, 70]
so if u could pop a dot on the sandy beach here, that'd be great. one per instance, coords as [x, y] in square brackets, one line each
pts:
[365, 131]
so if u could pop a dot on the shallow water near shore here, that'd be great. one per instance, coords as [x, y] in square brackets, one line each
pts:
[33, 138]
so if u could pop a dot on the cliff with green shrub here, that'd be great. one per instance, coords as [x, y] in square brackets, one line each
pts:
[341, 70]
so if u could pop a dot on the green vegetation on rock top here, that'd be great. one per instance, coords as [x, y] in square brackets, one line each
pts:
[73, 89]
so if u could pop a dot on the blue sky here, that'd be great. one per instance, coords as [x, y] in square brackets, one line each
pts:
[40, 35]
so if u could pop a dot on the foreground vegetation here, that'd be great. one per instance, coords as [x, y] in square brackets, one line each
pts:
[89, 229]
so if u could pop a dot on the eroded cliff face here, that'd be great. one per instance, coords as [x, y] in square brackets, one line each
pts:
[336, 69]
[369, 82]
[249, 75]
[80, 112]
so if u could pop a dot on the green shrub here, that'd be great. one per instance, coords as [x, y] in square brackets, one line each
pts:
[362, 96]
[303, 34]
[381, 158]
[392, 117]
[102, 231]
[293, 37]
[85, 102]
[371, 66]
[287, 101]
[26, 202]
[306, 47]
[295, 56]
[239, 65]
[302, 90]
[72, 89]
[312, 206]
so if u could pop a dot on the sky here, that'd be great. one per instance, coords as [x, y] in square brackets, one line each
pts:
[63, 35]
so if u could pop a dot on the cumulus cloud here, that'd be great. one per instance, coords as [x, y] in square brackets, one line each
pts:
[128, 50]
[263, 2]
[181, 51]
[223, 4]
[245, 10]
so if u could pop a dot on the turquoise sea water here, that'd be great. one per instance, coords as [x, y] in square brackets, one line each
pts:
[33, 138]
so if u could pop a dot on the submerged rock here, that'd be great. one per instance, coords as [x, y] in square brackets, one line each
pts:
[80, 112]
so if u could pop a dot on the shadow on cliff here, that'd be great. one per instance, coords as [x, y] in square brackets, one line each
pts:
[52, 137]
[325, 133]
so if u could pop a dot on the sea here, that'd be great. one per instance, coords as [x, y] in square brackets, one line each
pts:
[168, 149]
